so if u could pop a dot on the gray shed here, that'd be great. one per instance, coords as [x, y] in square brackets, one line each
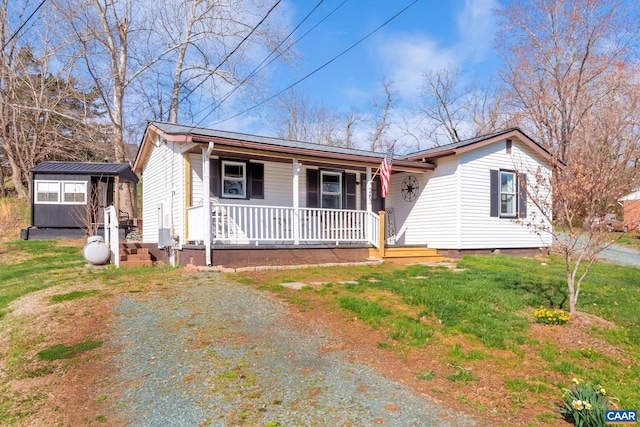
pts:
[66, 196]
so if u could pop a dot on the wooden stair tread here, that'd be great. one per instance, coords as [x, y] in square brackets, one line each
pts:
[409, 254]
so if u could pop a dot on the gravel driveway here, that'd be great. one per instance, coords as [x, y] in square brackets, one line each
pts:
[623, 255]
[214, 353]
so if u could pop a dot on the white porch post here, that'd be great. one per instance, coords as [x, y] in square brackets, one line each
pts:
[369, 190]
[296, 201]
[369, 222]
[206, 201]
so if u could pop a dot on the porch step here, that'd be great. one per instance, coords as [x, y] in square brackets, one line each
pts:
[410, 254]
[134, 257]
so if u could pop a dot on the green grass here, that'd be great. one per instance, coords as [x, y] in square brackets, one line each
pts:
[461, 375]
[369, 311]
[45, 265]
[426, 375]
[631, 239]
[491, 303]
[60, 351]
[478, 317]
[73, 295]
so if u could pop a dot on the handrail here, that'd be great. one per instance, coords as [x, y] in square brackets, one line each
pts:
[254, 224]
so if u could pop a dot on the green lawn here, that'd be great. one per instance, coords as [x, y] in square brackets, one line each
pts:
[491, 302]
[488, 301]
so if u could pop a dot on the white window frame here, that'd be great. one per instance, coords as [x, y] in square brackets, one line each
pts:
[242, 180]
[505, 194]
[82, 184]
[60, 187]
[47, 202]
[330, 193]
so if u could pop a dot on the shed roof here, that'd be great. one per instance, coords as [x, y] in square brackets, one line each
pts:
[122, 170]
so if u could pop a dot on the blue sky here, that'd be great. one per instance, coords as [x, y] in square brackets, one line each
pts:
[429, 35]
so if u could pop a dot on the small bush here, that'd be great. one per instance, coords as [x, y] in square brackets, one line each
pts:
[584, 404]
[551, 317]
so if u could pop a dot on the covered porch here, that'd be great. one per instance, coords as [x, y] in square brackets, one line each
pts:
[235, 224]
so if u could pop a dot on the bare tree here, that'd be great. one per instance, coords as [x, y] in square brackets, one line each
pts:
[127, 44]
[214, 42]
[300, 120]
[451, 112]
[44, 114]
[570, 72]
[350, 120]
[444, 104]
[558, 59]
[380, 122]
[89, 215]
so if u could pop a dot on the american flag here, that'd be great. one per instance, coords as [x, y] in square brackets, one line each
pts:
[385, 172]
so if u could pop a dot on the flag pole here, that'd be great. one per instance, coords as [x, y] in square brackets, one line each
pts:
[376, 173]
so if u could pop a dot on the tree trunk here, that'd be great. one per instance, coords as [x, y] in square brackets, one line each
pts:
[16, 176]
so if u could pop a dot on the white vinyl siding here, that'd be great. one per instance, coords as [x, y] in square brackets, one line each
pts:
[453, 209]
[163, 190]
[433, 218]
[195, 159]
[478, 229]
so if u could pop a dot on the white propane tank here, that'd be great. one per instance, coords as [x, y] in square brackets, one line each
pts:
[95, 251]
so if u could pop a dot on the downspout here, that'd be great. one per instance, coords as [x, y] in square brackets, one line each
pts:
[296, 201]
[206, 201]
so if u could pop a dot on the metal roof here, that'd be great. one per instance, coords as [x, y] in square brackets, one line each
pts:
[176, 129]
[461, 144]
[122, 170]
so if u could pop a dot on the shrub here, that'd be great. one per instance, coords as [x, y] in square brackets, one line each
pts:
[585, 404]
[551, 317]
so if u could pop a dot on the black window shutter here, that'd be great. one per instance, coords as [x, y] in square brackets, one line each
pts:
[349, 190]
[313, 188]
[363, 191]
[495, 192]
[522, 195]
[256, 178]
[214, 177]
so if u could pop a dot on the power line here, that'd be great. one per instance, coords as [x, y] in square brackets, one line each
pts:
[260, 67]
[320, 67]
[232, 52]
[23, 24]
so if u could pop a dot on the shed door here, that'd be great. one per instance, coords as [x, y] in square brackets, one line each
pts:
[103, 191]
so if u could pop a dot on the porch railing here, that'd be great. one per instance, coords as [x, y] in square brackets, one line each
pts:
[242, 224]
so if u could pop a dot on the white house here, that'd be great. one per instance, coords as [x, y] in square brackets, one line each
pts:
[219, 197]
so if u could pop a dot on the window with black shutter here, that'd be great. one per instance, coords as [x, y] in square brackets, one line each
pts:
[236, 179]
[508, 194]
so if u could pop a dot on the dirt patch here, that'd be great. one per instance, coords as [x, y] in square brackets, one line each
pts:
[65, 391]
